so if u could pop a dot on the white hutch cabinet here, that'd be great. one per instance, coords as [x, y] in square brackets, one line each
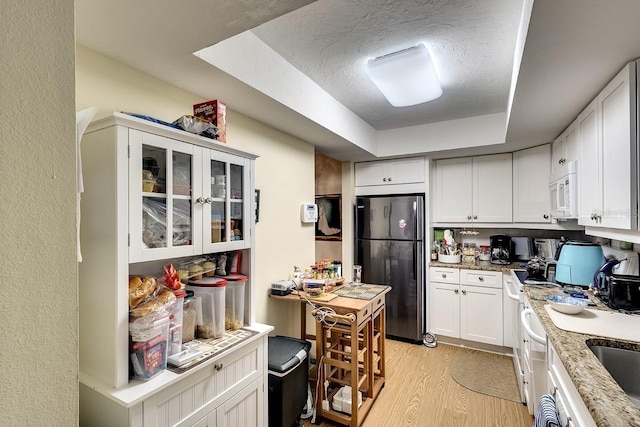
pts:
[154, 195]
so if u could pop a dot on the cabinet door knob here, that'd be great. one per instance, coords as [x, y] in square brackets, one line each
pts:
[201, 200]
[389, 179]
[444, 275]
[384, 179]
[218, 366]
[468, 216]
[481, 279]
[599, 218]
[456, 291]
[545, 216]
[464, 292]
[208, 200]
[475, 217]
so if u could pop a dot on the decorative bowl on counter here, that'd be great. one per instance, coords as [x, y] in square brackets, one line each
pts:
[449, 259]
[566, 304]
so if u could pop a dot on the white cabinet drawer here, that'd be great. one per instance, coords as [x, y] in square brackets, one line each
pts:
[444, 275]
[201, 392]
[490, 279]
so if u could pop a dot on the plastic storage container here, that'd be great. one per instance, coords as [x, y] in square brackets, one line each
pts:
[288, 379]
[234, 301]
[189, 318]
[211, 291]
[148, 346]
[342, 400]
[175, 323]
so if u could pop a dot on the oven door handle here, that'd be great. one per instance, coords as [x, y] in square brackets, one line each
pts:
[527, 327]
[515, 296]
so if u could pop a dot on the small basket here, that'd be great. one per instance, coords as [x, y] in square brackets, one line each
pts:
[147, 186]
[449, 259]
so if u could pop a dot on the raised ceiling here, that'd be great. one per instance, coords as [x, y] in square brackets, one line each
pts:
[472, 44]
[572, 48]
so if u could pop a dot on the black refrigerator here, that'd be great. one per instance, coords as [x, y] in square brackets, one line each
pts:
[389, 246]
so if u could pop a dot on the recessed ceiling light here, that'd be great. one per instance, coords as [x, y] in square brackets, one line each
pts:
[406, 77]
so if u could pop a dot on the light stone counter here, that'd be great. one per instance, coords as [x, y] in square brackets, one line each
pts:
[607, 402]
[480, 265]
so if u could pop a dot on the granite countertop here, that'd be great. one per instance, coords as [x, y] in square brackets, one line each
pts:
[607, 402]
[480, 265]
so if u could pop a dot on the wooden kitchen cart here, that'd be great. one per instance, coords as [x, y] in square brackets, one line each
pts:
[349, 352]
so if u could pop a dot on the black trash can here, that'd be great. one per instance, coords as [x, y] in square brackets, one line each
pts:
[288, 379]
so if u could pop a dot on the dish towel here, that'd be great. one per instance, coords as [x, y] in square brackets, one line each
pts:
[547, 415]
[83, 118]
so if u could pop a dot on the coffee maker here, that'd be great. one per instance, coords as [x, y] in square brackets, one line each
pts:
[501, 249]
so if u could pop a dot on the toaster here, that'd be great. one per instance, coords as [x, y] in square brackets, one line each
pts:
[620, 291]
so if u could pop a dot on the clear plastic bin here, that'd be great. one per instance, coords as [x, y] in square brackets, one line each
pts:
[234, 301]
[148, 346]
[211, 290]
[175, 323]
[189, 316]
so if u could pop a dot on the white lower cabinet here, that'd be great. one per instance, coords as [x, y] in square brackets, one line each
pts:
[466, 304]
[228, 391]
[571, 409]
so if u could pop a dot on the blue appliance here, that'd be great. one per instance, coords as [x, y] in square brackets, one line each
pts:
[578, 262]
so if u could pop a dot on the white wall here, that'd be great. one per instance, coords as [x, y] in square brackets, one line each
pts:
[38, 308]
[284, 170]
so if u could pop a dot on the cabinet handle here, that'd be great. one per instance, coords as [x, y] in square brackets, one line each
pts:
[384, 179]
[208, 200]
[475, 217]
[468, 216]
[444, 276]
[218, 366]
[481, 279]
[464, 292]
[389, 179]
[545, 216]
[201, 200]
[455, 291]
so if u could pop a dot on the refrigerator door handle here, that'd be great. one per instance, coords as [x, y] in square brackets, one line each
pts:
[421, 294]
[419, 222]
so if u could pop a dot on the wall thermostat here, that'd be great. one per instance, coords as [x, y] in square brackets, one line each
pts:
[309, 212]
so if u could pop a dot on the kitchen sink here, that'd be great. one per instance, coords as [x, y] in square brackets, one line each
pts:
[623, 365]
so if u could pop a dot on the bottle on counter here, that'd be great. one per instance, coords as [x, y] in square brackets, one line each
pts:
[337, 266]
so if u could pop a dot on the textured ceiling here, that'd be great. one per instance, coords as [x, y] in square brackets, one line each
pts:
[472, 43]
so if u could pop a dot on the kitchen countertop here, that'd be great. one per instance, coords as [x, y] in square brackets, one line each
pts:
[607, 402]
[480, 265]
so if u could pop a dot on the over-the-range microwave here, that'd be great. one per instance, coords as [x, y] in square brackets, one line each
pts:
[563, 192]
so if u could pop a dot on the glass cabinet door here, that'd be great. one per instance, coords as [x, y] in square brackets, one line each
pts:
[162, 183]
[225, 217]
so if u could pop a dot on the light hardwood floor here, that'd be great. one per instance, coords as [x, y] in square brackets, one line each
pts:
[419, 391]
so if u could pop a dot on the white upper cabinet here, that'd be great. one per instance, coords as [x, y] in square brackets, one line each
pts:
[453, 192]
[184, 199]
[475, 189]
[608, 163]
[531, 185]
[390, 172]
[565, 148]
[492, 188]
[589, 184]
